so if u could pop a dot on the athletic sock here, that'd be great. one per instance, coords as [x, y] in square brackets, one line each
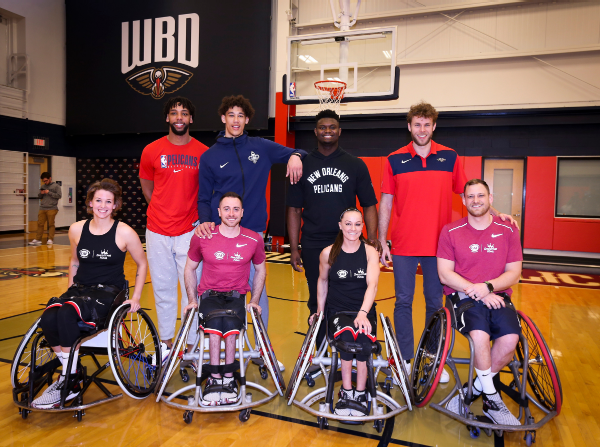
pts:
[75, 358]
[477, 384]
[63, 357]
[485, 380]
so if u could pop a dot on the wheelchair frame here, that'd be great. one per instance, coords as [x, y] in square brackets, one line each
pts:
[378, 398]
[262, 350]
[519, 367]
[42, 372]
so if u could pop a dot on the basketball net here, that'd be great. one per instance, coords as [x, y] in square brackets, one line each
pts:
[330, 93]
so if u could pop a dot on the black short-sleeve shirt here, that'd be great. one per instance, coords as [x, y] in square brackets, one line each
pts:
[328, 186]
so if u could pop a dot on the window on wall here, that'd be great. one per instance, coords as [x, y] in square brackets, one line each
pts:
[578, 188]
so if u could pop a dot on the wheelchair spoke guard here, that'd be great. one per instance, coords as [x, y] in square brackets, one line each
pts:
[266, 351]
[394, 358]
[21, 365]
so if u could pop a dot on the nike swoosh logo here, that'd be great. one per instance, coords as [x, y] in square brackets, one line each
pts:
[496, 235]
[240, 245]
[405, 161]
[221, 166]
[178, 170]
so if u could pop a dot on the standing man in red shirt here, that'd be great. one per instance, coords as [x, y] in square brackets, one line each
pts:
[169, 179]
[418, 183]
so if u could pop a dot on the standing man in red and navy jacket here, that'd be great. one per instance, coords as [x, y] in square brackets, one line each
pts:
[239, 163]
[418, 182]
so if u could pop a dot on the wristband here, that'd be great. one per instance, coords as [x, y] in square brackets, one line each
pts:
[362, 310]
[296, 153]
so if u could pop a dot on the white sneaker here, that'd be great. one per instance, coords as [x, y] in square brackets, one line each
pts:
[50, 242]
[35, 242]
[445, 377]
[496, 410]
[165, 351]
[281, 367]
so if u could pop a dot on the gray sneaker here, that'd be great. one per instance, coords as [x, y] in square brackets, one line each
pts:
[496, 410]
[454, 404]
[51, 397]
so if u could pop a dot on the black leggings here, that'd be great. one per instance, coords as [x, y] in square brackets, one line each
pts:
[60, 325]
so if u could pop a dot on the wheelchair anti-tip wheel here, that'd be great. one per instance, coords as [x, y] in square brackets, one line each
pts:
[174, 359]
[304, 358]
[542, 373]
[395, 360]
[266, 352]
[21, 365]
[431, 357]
[134, 352]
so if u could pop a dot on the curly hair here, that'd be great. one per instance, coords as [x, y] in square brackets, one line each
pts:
[109, 185]
[229, 102]
[179, 101]
[422, 110]
[327, 113]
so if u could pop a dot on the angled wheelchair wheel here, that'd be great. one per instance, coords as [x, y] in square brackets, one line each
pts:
[21, 364]
[304, 358]
[431, 357]
[542, 373]
[134, 352]
[266, 352]
[395, 360]
[174, 359]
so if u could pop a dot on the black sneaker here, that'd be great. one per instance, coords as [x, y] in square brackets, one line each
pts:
[212, 391]
[347, 404]
[496, 410]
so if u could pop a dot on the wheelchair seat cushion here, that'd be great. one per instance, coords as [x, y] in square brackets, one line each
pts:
[213, 322]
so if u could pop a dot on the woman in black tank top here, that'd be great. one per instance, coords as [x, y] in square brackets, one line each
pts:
[348, 277]
[96, 276]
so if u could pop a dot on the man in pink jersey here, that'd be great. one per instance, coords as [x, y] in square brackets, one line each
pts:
[226, 259]
[169, 179]
[479, 257]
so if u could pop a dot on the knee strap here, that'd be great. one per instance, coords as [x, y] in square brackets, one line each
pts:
[222, 369]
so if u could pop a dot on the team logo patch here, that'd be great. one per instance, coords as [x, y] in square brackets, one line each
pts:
[156, 82]
[474, 248]
[163, 161]
[360, 273]
[219, 255]
[84, 253]
[237, 257]
[490, 248]
[253, 157]
[342, 273]
[441, 160]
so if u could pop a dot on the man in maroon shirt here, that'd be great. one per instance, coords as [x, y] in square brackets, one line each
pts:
[226, 259]
[479, 257]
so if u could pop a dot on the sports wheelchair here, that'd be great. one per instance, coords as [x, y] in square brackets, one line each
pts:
[130, 341]
[328, 363]
[532, 376]
[262, 353]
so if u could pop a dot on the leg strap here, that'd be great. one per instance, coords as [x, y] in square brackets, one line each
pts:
[222, 369]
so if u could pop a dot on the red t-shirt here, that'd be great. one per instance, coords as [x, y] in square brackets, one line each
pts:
[422, 189]
[226, 261]
[174, 170]
[480, 255]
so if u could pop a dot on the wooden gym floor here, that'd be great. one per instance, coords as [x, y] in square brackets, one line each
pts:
[568, 317]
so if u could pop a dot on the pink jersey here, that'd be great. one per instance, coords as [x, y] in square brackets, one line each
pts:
[226, 261]
[479, 255]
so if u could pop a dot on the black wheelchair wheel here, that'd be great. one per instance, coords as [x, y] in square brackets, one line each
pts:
[134, 352]
[21, 364]
[244, 415]
[542, 373]
[430, 357]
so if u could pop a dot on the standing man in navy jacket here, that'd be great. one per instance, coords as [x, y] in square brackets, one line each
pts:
[239, 163]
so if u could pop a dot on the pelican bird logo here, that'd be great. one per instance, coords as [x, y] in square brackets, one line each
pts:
[157, 82]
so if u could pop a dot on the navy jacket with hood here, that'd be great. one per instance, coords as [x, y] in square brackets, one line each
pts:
[241, 165]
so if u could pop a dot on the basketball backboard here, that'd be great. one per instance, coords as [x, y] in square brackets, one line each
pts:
[364, 59]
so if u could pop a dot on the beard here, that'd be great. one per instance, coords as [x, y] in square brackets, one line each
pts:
[479, 211]
[181, 132]
[416, 141]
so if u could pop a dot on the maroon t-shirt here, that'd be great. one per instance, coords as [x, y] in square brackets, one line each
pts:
[226, 261]
[479, 255]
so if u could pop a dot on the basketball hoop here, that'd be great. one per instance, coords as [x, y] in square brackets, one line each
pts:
[330, 93]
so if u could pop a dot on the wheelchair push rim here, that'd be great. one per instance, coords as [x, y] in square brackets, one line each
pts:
[133, 347]
[395, 360]
[266, 352]
[174, 359]
[542, 374]
[303, 359]
[21, 365]
[431, 357]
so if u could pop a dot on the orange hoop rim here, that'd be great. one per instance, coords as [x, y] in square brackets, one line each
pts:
[336, 92]
[328, 89]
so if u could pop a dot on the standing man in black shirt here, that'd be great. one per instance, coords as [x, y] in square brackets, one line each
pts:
[331, 181]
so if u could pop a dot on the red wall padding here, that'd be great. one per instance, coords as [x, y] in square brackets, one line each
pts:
[576, 235]
[539, 203]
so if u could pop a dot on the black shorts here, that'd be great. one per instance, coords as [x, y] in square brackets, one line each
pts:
[91, 303]
[341, 327]
[222, 326]
[494, 322]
